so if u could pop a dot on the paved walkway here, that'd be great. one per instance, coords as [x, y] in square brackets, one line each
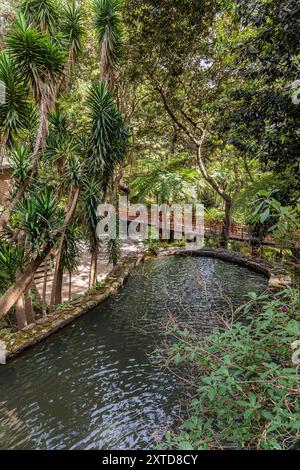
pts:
[80, 278]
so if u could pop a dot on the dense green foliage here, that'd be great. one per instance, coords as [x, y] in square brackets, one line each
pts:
[60, 172]
[247, 394]
[169, 101]
[262, 116]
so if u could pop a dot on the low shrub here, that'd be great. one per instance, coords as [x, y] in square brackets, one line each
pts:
[248, 392]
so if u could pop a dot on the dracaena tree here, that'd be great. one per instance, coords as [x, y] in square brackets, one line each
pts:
[109, 134]
[12, 260]
[20, 160]
[113, 250]
[91, 200]
[71, 251]
[72, 181]
[40, 60]
[14, 108]
[42, 14]
[109, 30]
[60, 145]
[63, 162]
[107, 148]
[72, 28]
[39, 221]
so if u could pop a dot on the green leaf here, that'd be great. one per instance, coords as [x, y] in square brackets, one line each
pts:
[185, 446]
[264, 216]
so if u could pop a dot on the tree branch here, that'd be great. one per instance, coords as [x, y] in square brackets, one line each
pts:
[199, 144]
[174, 117]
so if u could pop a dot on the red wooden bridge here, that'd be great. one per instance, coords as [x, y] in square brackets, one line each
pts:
[212, 228]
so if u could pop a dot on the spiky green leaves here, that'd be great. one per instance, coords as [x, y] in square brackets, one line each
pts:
[103, 114]
[12, 259]
[39, 59]
[21, 161]
[70, 256]
[72, 28]
[40, 219]
[92, 197]
[113, 251]
[15, 110]
[109, 134]
[63, 151]
[42, 14]
[72, 176]
[108, 24]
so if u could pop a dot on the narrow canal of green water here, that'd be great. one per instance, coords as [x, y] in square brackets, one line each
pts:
[94, 385]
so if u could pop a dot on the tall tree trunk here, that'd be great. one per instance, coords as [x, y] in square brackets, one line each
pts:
[36, 292]
[40, 135]
[3, 148]
[64, 84]
[11, 296]
[229, 201]
[70, 286]
[227, 224]
[4, 219]
[94, 265]
[116, 185]
[72, 207]
[45, 281]
[58, 286]
[20, 312]
[30, 317]
[199, 143]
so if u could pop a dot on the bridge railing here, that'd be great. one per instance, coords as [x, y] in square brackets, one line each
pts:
[239, 231]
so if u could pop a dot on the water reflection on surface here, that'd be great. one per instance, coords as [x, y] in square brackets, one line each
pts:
[92, 385]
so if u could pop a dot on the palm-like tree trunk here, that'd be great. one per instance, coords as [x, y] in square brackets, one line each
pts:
[13, 294]
[3, 148]
[56, 280]
[227, 223]
[30, 317]
[45, 281]
[58, 286]
[20, 312]
[36, 292]
[40, 138]
[24, 311]
[94, 266]
[70, 286]
[116, 186]
[4, 219]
